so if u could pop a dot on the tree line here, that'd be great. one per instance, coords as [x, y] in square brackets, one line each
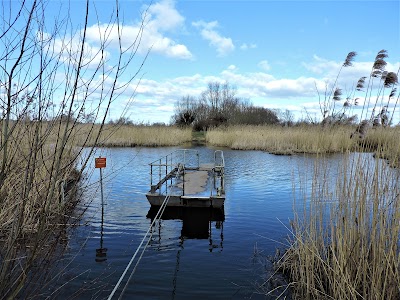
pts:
[220, 105]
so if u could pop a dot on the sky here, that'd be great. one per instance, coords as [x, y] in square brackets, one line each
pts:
[277, 54]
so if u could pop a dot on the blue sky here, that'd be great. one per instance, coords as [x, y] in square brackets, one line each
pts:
[274, 52]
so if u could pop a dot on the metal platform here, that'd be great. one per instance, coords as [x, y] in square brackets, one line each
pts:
[181, 179]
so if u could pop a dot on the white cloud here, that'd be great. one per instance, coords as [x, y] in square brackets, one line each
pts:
[328, 71]
[155, 99]
[164, 17]
[222, 44]
[69, 49]
[322, 66]
[264, 65]
[245, 46]
[161, 19]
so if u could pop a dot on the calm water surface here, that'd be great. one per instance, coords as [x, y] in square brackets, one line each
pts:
[191, 255]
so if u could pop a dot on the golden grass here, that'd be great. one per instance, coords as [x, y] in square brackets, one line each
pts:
[132, 136]
[345, 237]
[385, 142]
[283, 140]
[306, 139]
[37, 194]
[25, 190]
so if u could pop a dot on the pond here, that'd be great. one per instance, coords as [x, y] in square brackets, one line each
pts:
[192, 254]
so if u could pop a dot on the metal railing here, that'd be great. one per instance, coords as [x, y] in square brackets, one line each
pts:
[219, 172]
[163, 169]
[174, 166]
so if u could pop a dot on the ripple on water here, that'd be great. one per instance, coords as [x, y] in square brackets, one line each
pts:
[220, 264]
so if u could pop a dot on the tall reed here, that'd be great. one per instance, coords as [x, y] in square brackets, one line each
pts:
[52, 78]
[345, 234]
[37, 194]
[283, 140]
[132, 136]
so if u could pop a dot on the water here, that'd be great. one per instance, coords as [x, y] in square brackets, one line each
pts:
[216, 258]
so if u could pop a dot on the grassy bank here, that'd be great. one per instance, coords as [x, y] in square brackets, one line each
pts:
[283, 140]
[305, 139]
[132, 136]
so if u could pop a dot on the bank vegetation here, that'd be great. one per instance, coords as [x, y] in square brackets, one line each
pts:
[51, 81]
[129, 135]
[343, 241]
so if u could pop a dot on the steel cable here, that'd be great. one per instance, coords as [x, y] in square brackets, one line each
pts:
[156, 218]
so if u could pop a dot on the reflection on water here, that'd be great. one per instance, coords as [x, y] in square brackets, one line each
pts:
[202, 254]
[197, 223]
[101, 253]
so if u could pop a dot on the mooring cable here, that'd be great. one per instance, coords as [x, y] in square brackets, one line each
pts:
[136, 252]
[158, 216]
[140, 257]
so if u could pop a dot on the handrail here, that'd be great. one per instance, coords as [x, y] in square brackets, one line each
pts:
[177, 162]
[219, 163]
[176, 156]
[219, 170]
[179, 159]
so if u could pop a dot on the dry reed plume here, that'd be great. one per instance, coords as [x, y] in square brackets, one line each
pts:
[344, 241]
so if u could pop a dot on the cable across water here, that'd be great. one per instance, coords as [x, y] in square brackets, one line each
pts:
[156, 218]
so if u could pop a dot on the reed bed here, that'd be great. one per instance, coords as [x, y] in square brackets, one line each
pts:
[32, 182]
[344, 241]
[133, 136]
[307, 139]
[385, 142]
[38, 192]
[283, 140]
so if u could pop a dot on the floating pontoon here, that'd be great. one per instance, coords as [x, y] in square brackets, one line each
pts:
[183, 181]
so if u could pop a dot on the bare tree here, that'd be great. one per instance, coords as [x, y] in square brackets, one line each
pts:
[219, 97]
[40, 118]
[286, 117]
[185, 111]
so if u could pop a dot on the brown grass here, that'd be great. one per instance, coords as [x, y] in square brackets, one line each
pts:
[307, 139]
[344, 237]
[132, 136]
[283, 140]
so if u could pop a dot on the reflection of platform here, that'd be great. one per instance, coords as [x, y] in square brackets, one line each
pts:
[196, 221]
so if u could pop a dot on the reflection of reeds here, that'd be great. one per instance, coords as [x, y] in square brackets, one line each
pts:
[344, 242]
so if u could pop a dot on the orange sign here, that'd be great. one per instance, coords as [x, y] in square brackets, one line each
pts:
[100, 162]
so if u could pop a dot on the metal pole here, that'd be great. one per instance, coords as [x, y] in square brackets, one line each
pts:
[151, 174]
[183, 182]
[101, 253]
[101, 190]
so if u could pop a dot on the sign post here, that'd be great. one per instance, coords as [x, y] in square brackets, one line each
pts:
[101, 253]
[100, 163]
